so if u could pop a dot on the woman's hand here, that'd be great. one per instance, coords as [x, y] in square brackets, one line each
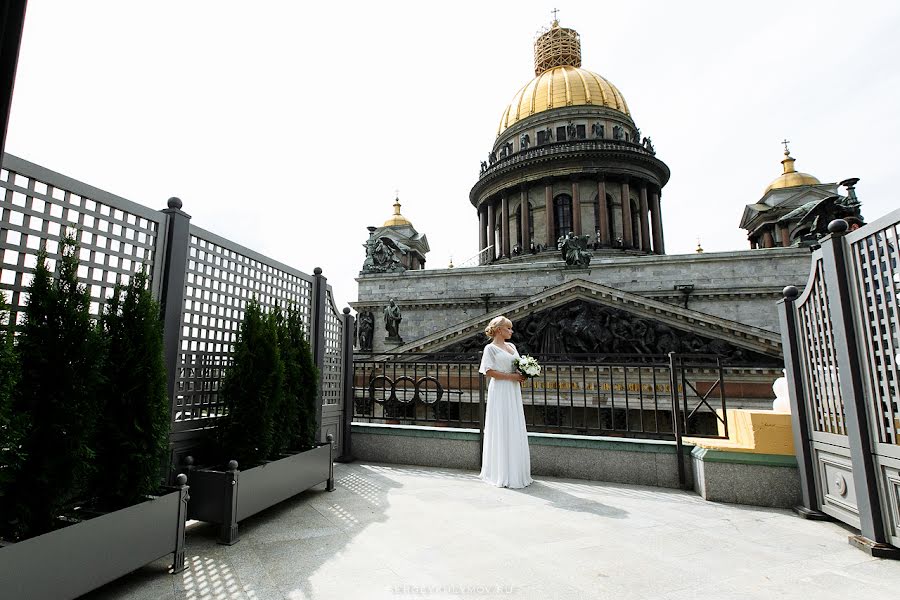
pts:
[519, 377]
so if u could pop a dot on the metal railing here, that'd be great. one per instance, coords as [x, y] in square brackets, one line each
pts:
[622, 395]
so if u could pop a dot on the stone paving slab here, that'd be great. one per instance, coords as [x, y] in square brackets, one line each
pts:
[402, 532]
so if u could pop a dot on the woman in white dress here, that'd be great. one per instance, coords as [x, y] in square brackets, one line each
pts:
[505, 460]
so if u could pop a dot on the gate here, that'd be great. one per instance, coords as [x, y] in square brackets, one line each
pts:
[842, 348]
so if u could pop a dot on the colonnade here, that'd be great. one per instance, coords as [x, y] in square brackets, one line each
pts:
[650, 238]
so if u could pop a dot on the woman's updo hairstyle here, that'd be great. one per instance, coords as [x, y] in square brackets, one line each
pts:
[495, 324]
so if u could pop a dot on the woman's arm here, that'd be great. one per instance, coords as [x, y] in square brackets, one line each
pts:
[506, 376]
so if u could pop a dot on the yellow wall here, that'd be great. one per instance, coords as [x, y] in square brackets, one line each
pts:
[753, 431]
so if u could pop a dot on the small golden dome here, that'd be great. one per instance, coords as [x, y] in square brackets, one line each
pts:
[559, 87]
[790, 177]
[397, 219]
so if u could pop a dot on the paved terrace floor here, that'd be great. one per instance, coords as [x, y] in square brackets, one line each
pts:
[402, 532]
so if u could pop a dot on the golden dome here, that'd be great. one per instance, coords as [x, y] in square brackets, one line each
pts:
[559, 87]
[790, 177]
[560, 81]
[397, 219]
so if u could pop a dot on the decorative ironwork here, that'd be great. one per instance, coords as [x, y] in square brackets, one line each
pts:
[874, 260]
[589, 396]
[820, 374]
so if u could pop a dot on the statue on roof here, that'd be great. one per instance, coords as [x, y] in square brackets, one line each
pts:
[574, 249]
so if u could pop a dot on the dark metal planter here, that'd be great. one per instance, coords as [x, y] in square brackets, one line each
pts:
[227, 497]
[72, 561]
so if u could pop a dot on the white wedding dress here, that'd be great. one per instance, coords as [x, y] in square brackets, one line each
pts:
[505, 461]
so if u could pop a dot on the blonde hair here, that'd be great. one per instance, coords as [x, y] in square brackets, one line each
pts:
[495, 324]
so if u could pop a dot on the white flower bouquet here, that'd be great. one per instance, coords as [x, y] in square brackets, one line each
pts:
[527, 366]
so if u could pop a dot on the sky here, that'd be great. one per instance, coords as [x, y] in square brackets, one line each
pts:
[288, 127]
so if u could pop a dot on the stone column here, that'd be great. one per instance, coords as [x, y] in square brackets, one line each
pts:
[525, 222]
[627, 239]
[785, 236]
[548, 203]
[656, 213]
[645, 220]
[482, 228]
[504, 226]
[753, 243]
[491, 226]
[767, 240]
[602, 206]
[576, 207]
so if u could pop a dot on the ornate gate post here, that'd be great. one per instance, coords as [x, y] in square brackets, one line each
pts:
[799, 420]
[873, 537]
[348, 378]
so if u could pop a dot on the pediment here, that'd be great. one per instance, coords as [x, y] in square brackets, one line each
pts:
[585, 317]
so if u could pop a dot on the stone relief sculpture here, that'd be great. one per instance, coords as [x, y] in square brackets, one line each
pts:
[648, 146]
[618, 132]
[392, 318]
[366, 328]
[597, 131]
[484, 166]
[637, 136]
[571, 131]
[524, 141]
[382, 254]
[583, 327]
[574, 249]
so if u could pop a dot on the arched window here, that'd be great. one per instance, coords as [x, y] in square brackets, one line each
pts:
[562, 213]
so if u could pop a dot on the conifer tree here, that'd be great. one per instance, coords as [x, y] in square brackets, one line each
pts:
[133, 428]
[252, 389]
[295, 427]
[61, 357]
[12, 426]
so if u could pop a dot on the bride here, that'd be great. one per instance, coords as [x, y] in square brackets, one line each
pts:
[505, 460]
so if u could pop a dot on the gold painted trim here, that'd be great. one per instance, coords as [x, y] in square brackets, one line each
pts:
[565, 75]
[587, 88]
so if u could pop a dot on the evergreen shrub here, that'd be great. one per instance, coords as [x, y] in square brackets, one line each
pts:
[252, 390]
[133, 427]
[61, 357]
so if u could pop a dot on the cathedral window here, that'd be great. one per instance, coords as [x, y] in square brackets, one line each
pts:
[580, 132]
[562, 213]
[561, 133]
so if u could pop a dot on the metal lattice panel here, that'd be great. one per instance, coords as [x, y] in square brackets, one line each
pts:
[39, 207]
[221, 278]
[877, 274]
[820, 374]
[332, 377]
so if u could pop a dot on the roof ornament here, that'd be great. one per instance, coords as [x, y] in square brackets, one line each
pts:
[786, 142]
[555, 12]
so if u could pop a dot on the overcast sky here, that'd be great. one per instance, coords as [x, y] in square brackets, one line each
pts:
[287, 126]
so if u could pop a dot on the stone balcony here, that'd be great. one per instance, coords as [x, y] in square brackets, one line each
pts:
[392, 531]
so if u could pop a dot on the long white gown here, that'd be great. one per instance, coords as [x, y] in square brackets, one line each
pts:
[505, 460]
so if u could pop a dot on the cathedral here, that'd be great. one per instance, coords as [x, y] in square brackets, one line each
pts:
[569, 213]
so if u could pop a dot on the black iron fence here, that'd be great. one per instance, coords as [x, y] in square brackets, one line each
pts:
[623, 395]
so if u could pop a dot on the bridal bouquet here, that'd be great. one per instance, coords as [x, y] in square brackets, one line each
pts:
[527, 366]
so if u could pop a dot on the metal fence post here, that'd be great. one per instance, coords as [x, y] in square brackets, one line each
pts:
[349, 376]
[799, 421]
[317, 339]
[676, 421]
[174, 250]
[872, 536]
